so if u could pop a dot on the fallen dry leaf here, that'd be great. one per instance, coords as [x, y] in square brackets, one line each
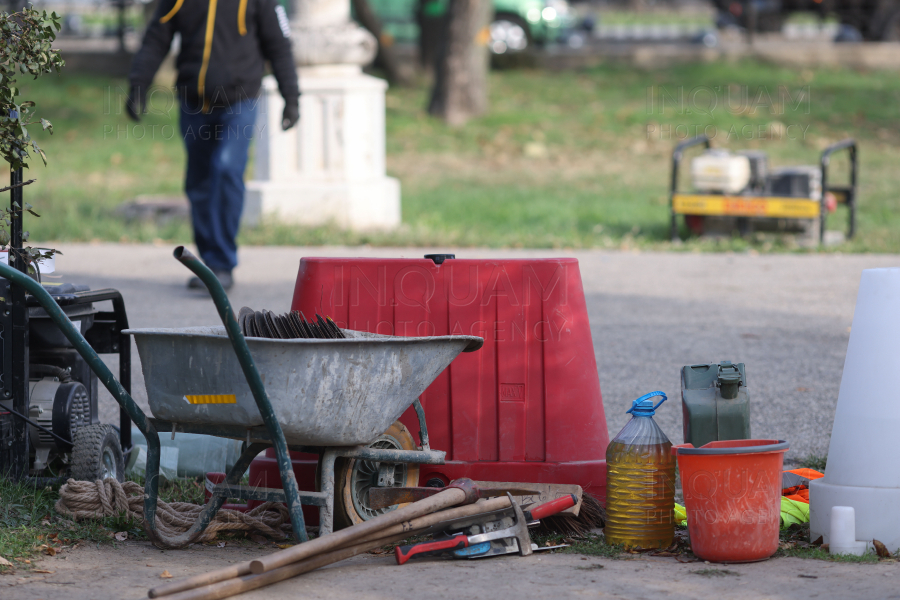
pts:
[165, 575]
[122, 536]
[50, 550]
[221, 544]
[26, 561]
[880, 549]
[4, 562]
[42, 571]
[284, 546]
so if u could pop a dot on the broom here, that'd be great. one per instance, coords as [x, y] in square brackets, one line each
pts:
[591, 516]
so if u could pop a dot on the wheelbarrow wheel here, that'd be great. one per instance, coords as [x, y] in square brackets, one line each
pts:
[97, 454]
[353, 478]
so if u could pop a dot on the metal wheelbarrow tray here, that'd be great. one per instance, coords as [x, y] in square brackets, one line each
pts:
[192, 376]
[324, 392]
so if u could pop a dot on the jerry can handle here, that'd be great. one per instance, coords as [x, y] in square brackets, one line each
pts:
[728, 380]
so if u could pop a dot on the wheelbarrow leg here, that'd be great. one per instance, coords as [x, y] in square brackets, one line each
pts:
[326, 484]
[285, 468]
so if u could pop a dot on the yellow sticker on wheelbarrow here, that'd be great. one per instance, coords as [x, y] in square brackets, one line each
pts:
[211, 399]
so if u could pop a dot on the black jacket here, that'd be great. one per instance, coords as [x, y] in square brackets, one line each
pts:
[224, 46]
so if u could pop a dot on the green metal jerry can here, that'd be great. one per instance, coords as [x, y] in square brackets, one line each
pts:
[715, 403]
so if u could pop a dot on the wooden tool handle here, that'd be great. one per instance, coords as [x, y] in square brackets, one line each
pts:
[404, 553]
[223, 574]
[231, 587]
[338, 539]
[404, 530]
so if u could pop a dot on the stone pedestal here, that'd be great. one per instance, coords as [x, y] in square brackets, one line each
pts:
[330, 167]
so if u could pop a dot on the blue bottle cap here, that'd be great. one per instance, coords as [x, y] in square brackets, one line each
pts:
[643, 406]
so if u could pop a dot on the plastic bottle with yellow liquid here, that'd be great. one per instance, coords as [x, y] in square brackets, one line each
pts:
[640, 481]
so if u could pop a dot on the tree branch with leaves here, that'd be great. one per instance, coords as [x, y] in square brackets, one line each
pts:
[25, 49]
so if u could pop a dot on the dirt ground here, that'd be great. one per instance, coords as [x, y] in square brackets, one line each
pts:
[129, 569]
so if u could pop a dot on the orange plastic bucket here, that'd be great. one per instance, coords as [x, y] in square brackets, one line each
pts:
[732, 495]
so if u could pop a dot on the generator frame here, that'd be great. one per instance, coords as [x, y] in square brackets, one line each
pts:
[17, 308]
[760, 205]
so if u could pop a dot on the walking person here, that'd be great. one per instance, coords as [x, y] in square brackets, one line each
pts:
[224, 46]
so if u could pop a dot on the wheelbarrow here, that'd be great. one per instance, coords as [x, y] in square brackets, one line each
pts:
[330, 397]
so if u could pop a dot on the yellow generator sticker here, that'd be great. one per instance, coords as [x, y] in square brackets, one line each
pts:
[745, 206]
[211, 399]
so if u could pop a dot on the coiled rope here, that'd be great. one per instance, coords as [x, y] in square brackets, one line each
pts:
[109, 498]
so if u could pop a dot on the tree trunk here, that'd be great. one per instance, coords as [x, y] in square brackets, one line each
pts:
[386, 57]
[460, 81]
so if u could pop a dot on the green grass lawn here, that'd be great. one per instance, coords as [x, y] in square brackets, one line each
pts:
[566, 159]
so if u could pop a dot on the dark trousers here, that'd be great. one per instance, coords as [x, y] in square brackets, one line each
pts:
[217, 144]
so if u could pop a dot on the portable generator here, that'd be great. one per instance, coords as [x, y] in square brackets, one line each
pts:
[739, 192]
[49, 419]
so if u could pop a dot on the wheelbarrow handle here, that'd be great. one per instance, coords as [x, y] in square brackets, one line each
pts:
[233, 329]
[105, 376]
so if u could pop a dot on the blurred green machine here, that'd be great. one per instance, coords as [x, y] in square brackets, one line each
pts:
[715, 403]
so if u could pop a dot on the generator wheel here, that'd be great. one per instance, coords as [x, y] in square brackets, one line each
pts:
[353, 478]
[97, 454]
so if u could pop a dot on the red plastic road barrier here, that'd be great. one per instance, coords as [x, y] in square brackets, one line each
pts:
[732, 495]
[526, 407]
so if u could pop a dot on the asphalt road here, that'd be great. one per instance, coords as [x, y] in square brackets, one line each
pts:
[787, 317]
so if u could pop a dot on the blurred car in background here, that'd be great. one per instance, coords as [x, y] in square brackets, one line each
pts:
[872, 19]
[516, 25]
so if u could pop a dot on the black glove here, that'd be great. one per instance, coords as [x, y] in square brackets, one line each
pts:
[136, 102]
[291, 114]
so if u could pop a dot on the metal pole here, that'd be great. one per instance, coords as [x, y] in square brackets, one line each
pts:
[19, 333]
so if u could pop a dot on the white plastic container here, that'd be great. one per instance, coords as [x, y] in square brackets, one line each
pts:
[862, 472]
[843, 532]
[720, 171]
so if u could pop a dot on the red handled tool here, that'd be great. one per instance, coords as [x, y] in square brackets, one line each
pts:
[517, 533]
[548, 509]
[438, 546]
